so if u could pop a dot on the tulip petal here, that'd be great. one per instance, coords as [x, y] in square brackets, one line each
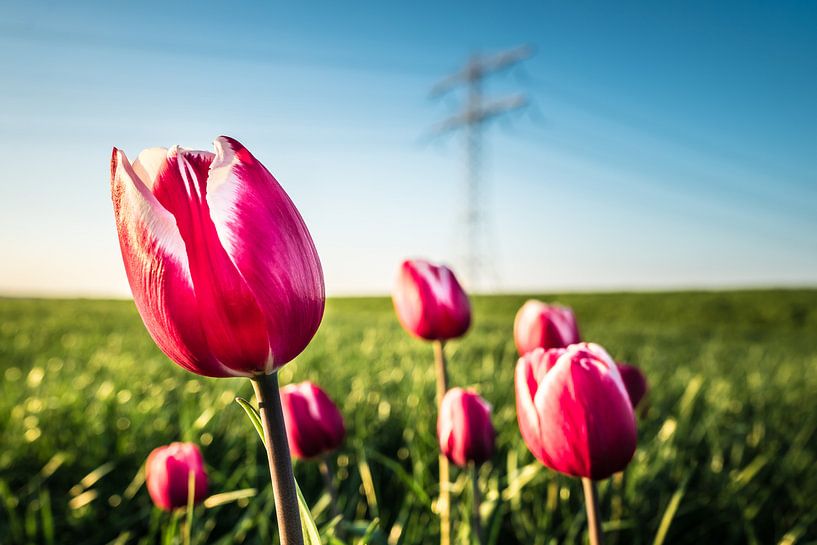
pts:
[233, 323]
[526, 386]
[157, 268]
[267, 240]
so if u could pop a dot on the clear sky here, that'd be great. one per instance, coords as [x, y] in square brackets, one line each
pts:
[669, 144]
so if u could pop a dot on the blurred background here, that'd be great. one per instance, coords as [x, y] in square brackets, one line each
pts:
[634, 145]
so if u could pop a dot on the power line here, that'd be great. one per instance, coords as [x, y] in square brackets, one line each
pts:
[472, 118]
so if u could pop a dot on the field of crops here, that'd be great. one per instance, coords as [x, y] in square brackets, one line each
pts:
[727, 449]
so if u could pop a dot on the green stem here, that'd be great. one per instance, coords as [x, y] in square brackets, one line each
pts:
[444, 503]
[476, 502]
[329, 482]
[591, 502]
[280, 463]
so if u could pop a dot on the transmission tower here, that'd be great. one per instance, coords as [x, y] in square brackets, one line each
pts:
[472, 118]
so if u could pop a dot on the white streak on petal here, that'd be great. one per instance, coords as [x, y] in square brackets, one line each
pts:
[148, 163]
[146, 209]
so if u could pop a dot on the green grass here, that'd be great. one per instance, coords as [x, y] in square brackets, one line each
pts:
[727, 451]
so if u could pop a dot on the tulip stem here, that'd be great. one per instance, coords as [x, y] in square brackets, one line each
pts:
[591, 502]
[444, 502]
[476, 501]
[329, 482]
[280, 463]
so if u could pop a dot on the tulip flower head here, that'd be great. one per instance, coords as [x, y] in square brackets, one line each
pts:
[314, 424]
[464, 428]
[167, 474]
[539, 325]
[221, 265]
[634, 381]
[574, 411]
[429, 301]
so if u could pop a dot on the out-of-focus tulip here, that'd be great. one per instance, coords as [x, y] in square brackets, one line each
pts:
[314, 424]
[221, 265]
[167, 473]
[634, 381]
[539, 325]
[464, 428]
[429, 301]
[574, 412]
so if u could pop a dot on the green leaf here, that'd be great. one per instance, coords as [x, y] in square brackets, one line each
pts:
[369, 533]
[308, 526]
[253, 415]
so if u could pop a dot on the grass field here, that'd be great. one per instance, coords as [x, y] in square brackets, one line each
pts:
[727, 450]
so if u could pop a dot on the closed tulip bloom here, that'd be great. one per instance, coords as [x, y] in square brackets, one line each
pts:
[429, 301]
[314, 424]
[574, 412]
[464, 428]
[539, 325]
[221, 265]
[167, 474]
[634, 381]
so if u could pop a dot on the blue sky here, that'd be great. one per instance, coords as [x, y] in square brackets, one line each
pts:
[665, 146]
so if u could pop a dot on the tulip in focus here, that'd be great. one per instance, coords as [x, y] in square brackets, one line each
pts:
[429, 301]
[167, 474]
[464, 428]
[539, 325]
[574, 411]
[222, 267]
[634, 381]
[314, 424]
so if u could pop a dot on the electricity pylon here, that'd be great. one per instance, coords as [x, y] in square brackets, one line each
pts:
[475, 114]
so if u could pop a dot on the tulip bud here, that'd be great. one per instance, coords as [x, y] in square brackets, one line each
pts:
[464, 428]
[429, 301]
[221, 265]
[167, 473]
[538, 325]
[634, 381]
[314, 424]
[574, 412]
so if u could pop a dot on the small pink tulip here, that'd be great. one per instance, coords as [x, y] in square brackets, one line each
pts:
[429, 301]
[634, 381]
[314, 424]
[221, 265]
[464, 428]
[167, 473]
[539, 325]
[574, 412]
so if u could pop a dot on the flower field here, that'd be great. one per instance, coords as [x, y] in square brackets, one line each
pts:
[726, 453]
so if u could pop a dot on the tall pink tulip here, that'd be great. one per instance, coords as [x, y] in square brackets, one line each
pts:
[429, 301]
[539, 325]
[464, 428]
[574, 411]
[225, 276]
[635, 381]
[222, 267]
[432, 305]
[167, 474]
[314, 424]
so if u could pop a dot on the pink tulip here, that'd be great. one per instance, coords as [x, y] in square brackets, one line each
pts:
[222, 267]
[464, 428]
[539, 325]
[167, 473]
[429, 301]
[574, 412]
[314, 424]
[634, 381]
